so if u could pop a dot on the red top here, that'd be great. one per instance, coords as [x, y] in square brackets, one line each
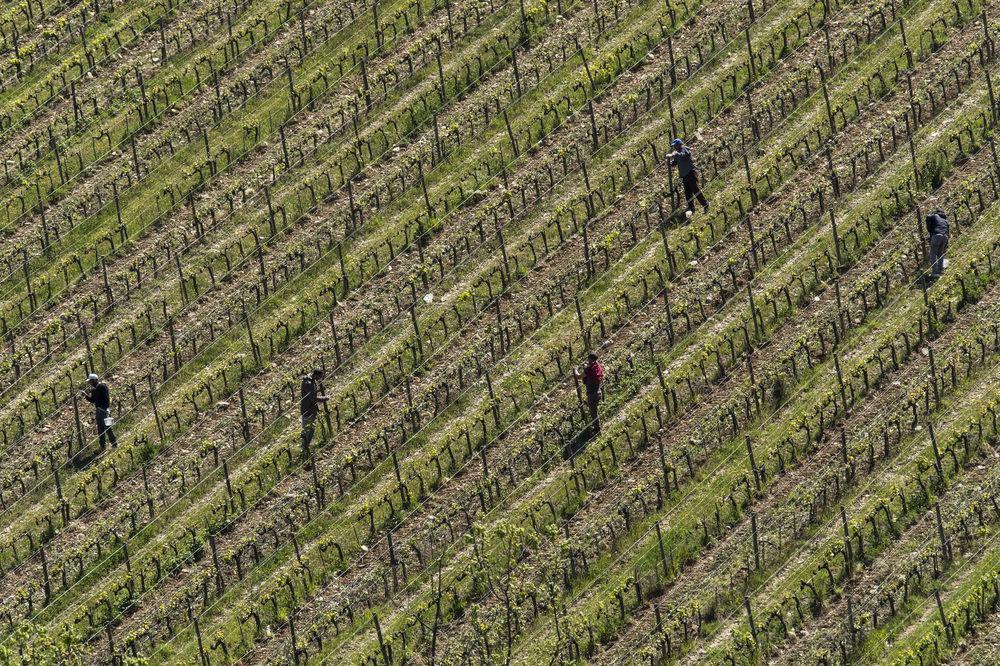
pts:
[592, 376]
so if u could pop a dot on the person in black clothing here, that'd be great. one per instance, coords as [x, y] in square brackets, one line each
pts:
[681, 156]
[97, 392]
[312, 395]
[937, 232]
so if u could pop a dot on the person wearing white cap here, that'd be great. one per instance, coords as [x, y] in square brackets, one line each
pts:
[98, 393]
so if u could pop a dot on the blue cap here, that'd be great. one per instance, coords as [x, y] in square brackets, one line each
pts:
[676, 142]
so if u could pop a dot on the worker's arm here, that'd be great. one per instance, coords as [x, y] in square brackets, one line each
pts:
[88, 395]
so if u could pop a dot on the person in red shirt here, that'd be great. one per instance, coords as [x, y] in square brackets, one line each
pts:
[593, 378]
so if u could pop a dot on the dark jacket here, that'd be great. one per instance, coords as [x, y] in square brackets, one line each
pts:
[101, 397]
[310, 389]
[593, 374]
[684, 161]
[937, 223]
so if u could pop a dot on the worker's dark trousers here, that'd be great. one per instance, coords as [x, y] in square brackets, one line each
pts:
[593, 399]
[308, 428]
[939, 244]
[692, 191]
[103, 430]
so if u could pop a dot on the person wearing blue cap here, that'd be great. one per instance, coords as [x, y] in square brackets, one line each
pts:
[681, 156]
[98, 393]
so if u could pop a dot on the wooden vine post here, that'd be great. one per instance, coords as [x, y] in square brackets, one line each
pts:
[945, 551]
[847, 540]
[244, 421]
[826, 99]
[834, 180]
[156, 411]
[667, 313]
[76, 418]
[246, 320]
[503, 253]
[86, 344]
[840, 380]
[753, 625]
[579, 399]
[749, 176]
[416, 330]
[836, 240]
[988, 47]
[753, 463]
[173, 344]
[27, 280]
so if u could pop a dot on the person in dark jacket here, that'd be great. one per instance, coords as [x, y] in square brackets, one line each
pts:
[312, 396]
[593, 378]
[98, 393]
[681, 157]
[937, 232]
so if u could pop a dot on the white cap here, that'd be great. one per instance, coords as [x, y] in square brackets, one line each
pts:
[91, 377]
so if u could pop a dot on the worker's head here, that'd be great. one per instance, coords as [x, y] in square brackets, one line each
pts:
[92, 379]
[318, 373]
[592, 357]
[676, 143]
[939, 213]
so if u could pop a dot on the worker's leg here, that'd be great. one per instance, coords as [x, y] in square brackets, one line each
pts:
[105, 432]
[697, 190]
[307, 434]
[690, 185]
[595, 419]
[939, 243]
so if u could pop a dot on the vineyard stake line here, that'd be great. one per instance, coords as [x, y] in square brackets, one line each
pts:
[756, 428]
[457, 207]
[213, 605]
[423, 571]
[904, 290]
[250, 258]
[318, 324]
[228, 118]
